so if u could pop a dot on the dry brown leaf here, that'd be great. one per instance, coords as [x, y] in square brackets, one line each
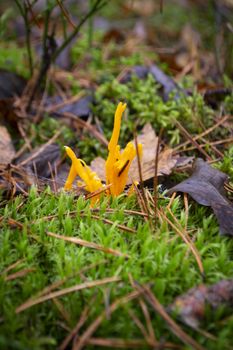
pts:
[149, 142]
[206, 187]
[191, 307]
[7, 151]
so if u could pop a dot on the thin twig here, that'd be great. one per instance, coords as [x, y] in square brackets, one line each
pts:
[96, 323]
[65, 13]
[96, 7]
[204, 133]
[177, 330]
[185, 238]
[41, 149]
[87, 244]
[190, 138]
[66, 291]
[156, 175]
[75, 330]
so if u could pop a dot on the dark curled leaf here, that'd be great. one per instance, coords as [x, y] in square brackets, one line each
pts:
[81, 108]
[44, 162]
[11, 84]
[191, 307]
[206, 186]
[140, 71]
[165, 81]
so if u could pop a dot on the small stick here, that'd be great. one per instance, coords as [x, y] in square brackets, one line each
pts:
[189, 137]
[41, 149]
[156, 175]
[186, 210]
[204, 133]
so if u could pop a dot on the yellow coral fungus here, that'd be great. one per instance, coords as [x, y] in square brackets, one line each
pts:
[79, 168]
[117, 164]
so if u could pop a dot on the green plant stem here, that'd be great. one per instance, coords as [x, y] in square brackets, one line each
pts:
[24, 13]
[96, 7]
[90, 26]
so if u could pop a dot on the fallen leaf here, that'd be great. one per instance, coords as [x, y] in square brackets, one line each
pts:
[7, 151]
[80, 108]
[191, 307]
[11, 84]
[206, 187]
[149, 141]
[41, 164]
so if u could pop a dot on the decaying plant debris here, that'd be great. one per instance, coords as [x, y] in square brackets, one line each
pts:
[206, 186]
[193, 307]
[124, 270]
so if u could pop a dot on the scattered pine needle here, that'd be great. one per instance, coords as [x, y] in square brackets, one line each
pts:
[31, 302]
[110, 222]
[83, 339]
[12, 266]
[185, 238]
[87, 244]
[19, 274]
[186, 205]
[206, 132]
[74, 331]
[175, 328]
[191, 139]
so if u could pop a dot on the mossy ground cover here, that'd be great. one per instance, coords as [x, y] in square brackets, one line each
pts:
[31, 260]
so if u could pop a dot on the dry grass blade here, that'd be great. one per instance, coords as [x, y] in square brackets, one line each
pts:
[139, 324]
[156, 174]
[41, 149]
[110, 222]
[31, 302]
[75, 330]
[171, 200]
[210, 144]
[206, 132]
[83, 124]
[19, 274]
[191, 139]
[145, 311]
[12, 266]
[59, 283]
[87, 244]
[96, 193]
[65, 13]
[128, 344]
[145, 204]
[64, 313]
[185, 238]
[107, 210]
[125, 211]
[151, 336]
[175, 328]
[186, 205]
[214, 143]
[83, 339]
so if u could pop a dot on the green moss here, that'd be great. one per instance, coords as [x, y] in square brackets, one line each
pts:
[14, 58]
[159, 258]
[146, 105]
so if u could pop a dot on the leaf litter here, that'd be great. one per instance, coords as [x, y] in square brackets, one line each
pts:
[206, 187]
[149, 141]
[167, 162]
[192, 306]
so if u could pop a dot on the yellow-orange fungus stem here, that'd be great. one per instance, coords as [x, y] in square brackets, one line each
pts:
[79, 168]
[116, 167]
